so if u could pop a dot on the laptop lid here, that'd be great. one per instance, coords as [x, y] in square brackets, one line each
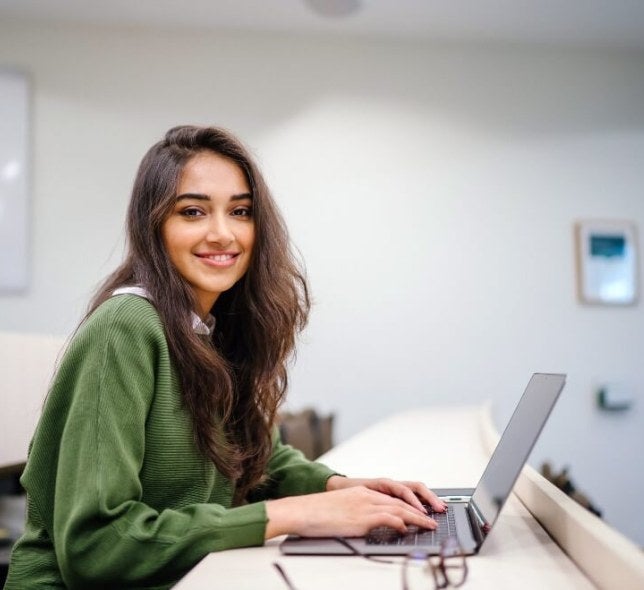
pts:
[513, 449]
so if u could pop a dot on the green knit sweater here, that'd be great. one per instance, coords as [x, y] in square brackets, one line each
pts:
[118, 494]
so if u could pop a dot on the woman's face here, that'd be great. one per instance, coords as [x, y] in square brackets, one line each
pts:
[210, 232]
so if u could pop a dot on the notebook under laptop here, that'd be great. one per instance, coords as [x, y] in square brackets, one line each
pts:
[471, 513]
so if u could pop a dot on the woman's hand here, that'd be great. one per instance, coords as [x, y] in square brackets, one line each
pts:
[412, 492]
[348, 512]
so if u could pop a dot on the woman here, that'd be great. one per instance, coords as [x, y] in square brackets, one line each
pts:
[157, 442]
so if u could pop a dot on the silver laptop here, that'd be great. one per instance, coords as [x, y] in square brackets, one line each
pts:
[471, 514]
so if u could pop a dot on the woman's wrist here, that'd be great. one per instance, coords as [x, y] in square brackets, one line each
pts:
[336, 482]
[286, 515]
[281, 517]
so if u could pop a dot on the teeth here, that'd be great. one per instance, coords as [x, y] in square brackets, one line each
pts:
[221, 257]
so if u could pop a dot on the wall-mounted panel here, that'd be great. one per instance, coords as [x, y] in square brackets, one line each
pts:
[14, 181]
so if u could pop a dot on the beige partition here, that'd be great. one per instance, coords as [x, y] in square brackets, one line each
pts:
[27, 363]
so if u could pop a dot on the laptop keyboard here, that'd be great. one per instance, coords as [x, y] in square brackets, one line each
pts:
[416, 536]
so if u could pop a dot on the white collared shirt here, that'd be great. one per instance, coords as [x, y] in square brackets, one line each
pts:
[201, 327]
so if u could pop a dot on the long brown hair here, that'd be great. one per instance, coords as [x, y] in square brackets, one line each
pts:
[232, 384]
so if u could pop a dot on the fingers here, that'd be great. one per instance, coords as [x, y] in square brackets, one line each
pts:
[396, 489]
[412, 492]
[388, 520]
[402, 490]
[429, 497]
[405, 514]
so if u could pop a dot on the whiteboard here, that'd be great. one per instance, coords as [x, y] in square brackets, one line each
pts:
[14, 180]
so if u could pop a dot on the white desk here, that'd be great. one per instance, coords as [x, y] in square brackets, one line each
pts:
[518, 553]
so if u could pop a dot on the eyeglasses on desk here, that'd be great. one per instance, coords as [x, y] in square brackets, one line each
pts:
[419, 569]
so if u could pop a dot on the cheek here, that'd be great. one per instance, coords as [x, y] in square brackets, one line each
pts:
[247, 241]
[172, 241]
[250, 240]
[251, 245]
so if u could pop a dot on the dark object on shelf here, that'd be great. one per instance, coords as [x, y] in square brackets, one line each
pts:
[564, 483]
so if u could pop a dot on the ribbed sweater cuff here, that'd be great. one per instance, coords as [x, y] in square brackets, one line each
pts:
[245, 526]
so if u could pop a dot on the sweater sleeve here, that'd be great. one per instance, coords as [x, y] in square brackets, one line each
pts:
[104, 534]
[292, 474]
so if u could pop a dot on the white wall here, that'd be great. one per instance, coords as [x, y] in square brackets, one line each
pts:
[431, 189]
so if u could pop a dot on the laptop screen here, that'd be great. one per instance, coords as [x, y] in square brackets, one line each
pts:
[515, 445]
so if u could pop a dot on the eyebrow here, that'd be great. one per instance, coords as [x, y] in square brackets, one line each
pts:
[204, 197]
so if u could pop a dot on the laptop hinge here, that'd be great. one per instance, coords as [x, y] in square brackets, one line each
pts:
[479, 527]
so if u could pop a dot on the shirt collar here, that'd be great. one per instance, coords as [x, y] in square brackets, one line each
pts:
[201, 327]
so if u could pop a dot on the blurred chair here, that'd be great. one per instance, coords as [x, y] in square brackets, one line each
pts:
[307, 431]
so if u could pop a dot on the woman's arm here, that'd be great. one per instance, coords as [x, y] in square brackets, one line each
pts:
[290, 473]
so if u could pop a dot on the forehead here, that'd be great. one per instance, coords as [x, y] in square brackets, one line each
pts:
[209, 172]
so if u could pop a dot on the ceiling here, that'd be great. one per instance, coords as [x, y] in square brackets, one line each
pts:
[602, 23]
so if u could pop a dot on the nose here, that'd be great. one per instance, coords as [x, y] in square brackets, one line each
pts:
[219, 231]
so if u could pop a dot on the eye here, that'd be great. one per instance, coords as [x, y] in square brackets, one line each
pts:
[191, 212]
[242, 212]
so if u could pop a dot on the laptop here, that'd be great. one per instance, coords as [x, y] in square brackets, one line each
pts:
[471, 513]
